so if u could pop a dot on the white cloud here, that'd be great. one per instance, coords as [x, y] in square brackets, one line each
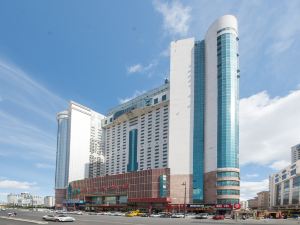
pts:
[280, 164]
[136, 94]
[27, 124]
[135, 68]
[13, 184]
[18, 88]
[253, 175]
[44, 166]
[166, 52]
[280, 46]
[284, 30]
[176, 16]
[139, 68]
[249, 189]
[268, 127]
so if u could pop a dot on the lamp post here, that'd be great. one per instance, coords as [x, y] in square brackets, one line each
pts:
[184, 203]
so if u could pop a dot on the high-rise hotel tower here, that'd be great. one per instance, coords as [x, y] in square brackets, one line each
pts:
[185, 131]
[204, 84]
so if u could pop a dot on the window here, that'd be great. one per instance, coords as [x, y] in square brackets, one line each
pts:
[296, 182]
[155, 100]
[164, 98]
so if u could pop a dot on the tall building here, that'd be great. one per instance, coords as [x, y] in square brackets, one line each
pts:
[204, 112]
[80, 152]
[295, 153]
[184, 133]
[62, 153]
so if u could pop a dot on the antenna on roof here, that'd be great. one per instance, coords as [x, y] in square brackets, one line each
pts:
[166, 80]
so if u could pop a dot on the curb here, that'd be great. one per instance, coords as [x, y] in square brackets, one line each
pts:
[23, 220]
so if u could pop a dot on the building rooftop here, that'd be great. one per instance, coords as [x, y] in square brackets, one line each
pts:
[140, 101]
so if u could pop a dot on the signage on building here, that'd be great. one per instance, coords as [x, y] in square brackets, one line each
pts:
[223, 206]
[114, 187]
[73, 201]
[195, 206]
[237, 206]
[228, 206]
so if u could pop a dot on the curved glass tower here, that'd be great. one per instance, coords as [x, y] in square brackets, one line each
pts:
[221, 117]
[204, 130]
[62, 153]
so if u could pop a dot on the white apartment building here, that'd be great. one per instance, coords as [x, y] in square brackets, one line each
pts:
[147, 119]
[285, 187]
[25, 200]
[80, 152]
[295, 153]
[49, 201]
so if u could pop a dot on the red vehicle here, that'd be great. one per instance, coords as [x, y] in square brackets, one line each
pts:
[218, 217]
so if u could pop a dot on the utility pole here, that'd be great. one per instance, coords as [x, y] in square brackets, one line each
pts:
[184, 203]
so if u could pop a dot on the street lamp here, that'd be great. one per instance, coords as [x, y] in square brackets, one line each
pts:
[184, 203]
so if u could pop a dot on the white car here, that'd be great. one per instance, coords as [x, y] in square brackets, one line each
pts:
[59, 218]
[177, 215]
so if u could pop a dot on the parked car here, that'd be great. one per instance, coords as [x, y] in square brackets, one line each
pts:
[49, 218]
[218, 217]
[117, 214]
[155, 215]
[177, 215]
[58, 218]
[165, 215]
[202, 216]
[132, 213]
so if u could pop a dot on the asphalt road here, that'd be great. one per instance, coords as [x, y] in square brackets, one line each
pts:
[116, 220]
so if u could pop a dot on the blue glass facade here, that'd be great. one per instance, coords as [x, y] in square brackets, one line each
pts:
[132, 165]
[228, 74]
[198, 138]
[163, 191]
[62, 153]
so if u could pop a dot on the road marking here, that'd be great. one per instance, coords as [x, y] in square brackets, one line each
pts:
[107, 221]
[23, 220]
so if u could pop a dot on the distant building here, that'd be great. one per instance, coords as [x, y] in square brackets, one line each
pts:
[253, 203]
[263, 200]
[244, 205]
[24, 200]
[285, 187]
[295, 153]
[12, 199]
[49, 201]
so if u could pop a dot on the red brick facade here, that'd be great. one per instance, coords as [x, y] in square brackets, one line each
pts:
[140, 187]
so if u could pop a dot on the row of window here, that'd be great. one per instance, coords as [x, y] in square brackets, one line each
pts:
[228, 183]
[228, 174]
[228, 192]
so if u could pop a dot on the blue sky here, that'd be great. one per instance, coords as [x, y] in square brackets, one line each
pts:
[101, 53]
